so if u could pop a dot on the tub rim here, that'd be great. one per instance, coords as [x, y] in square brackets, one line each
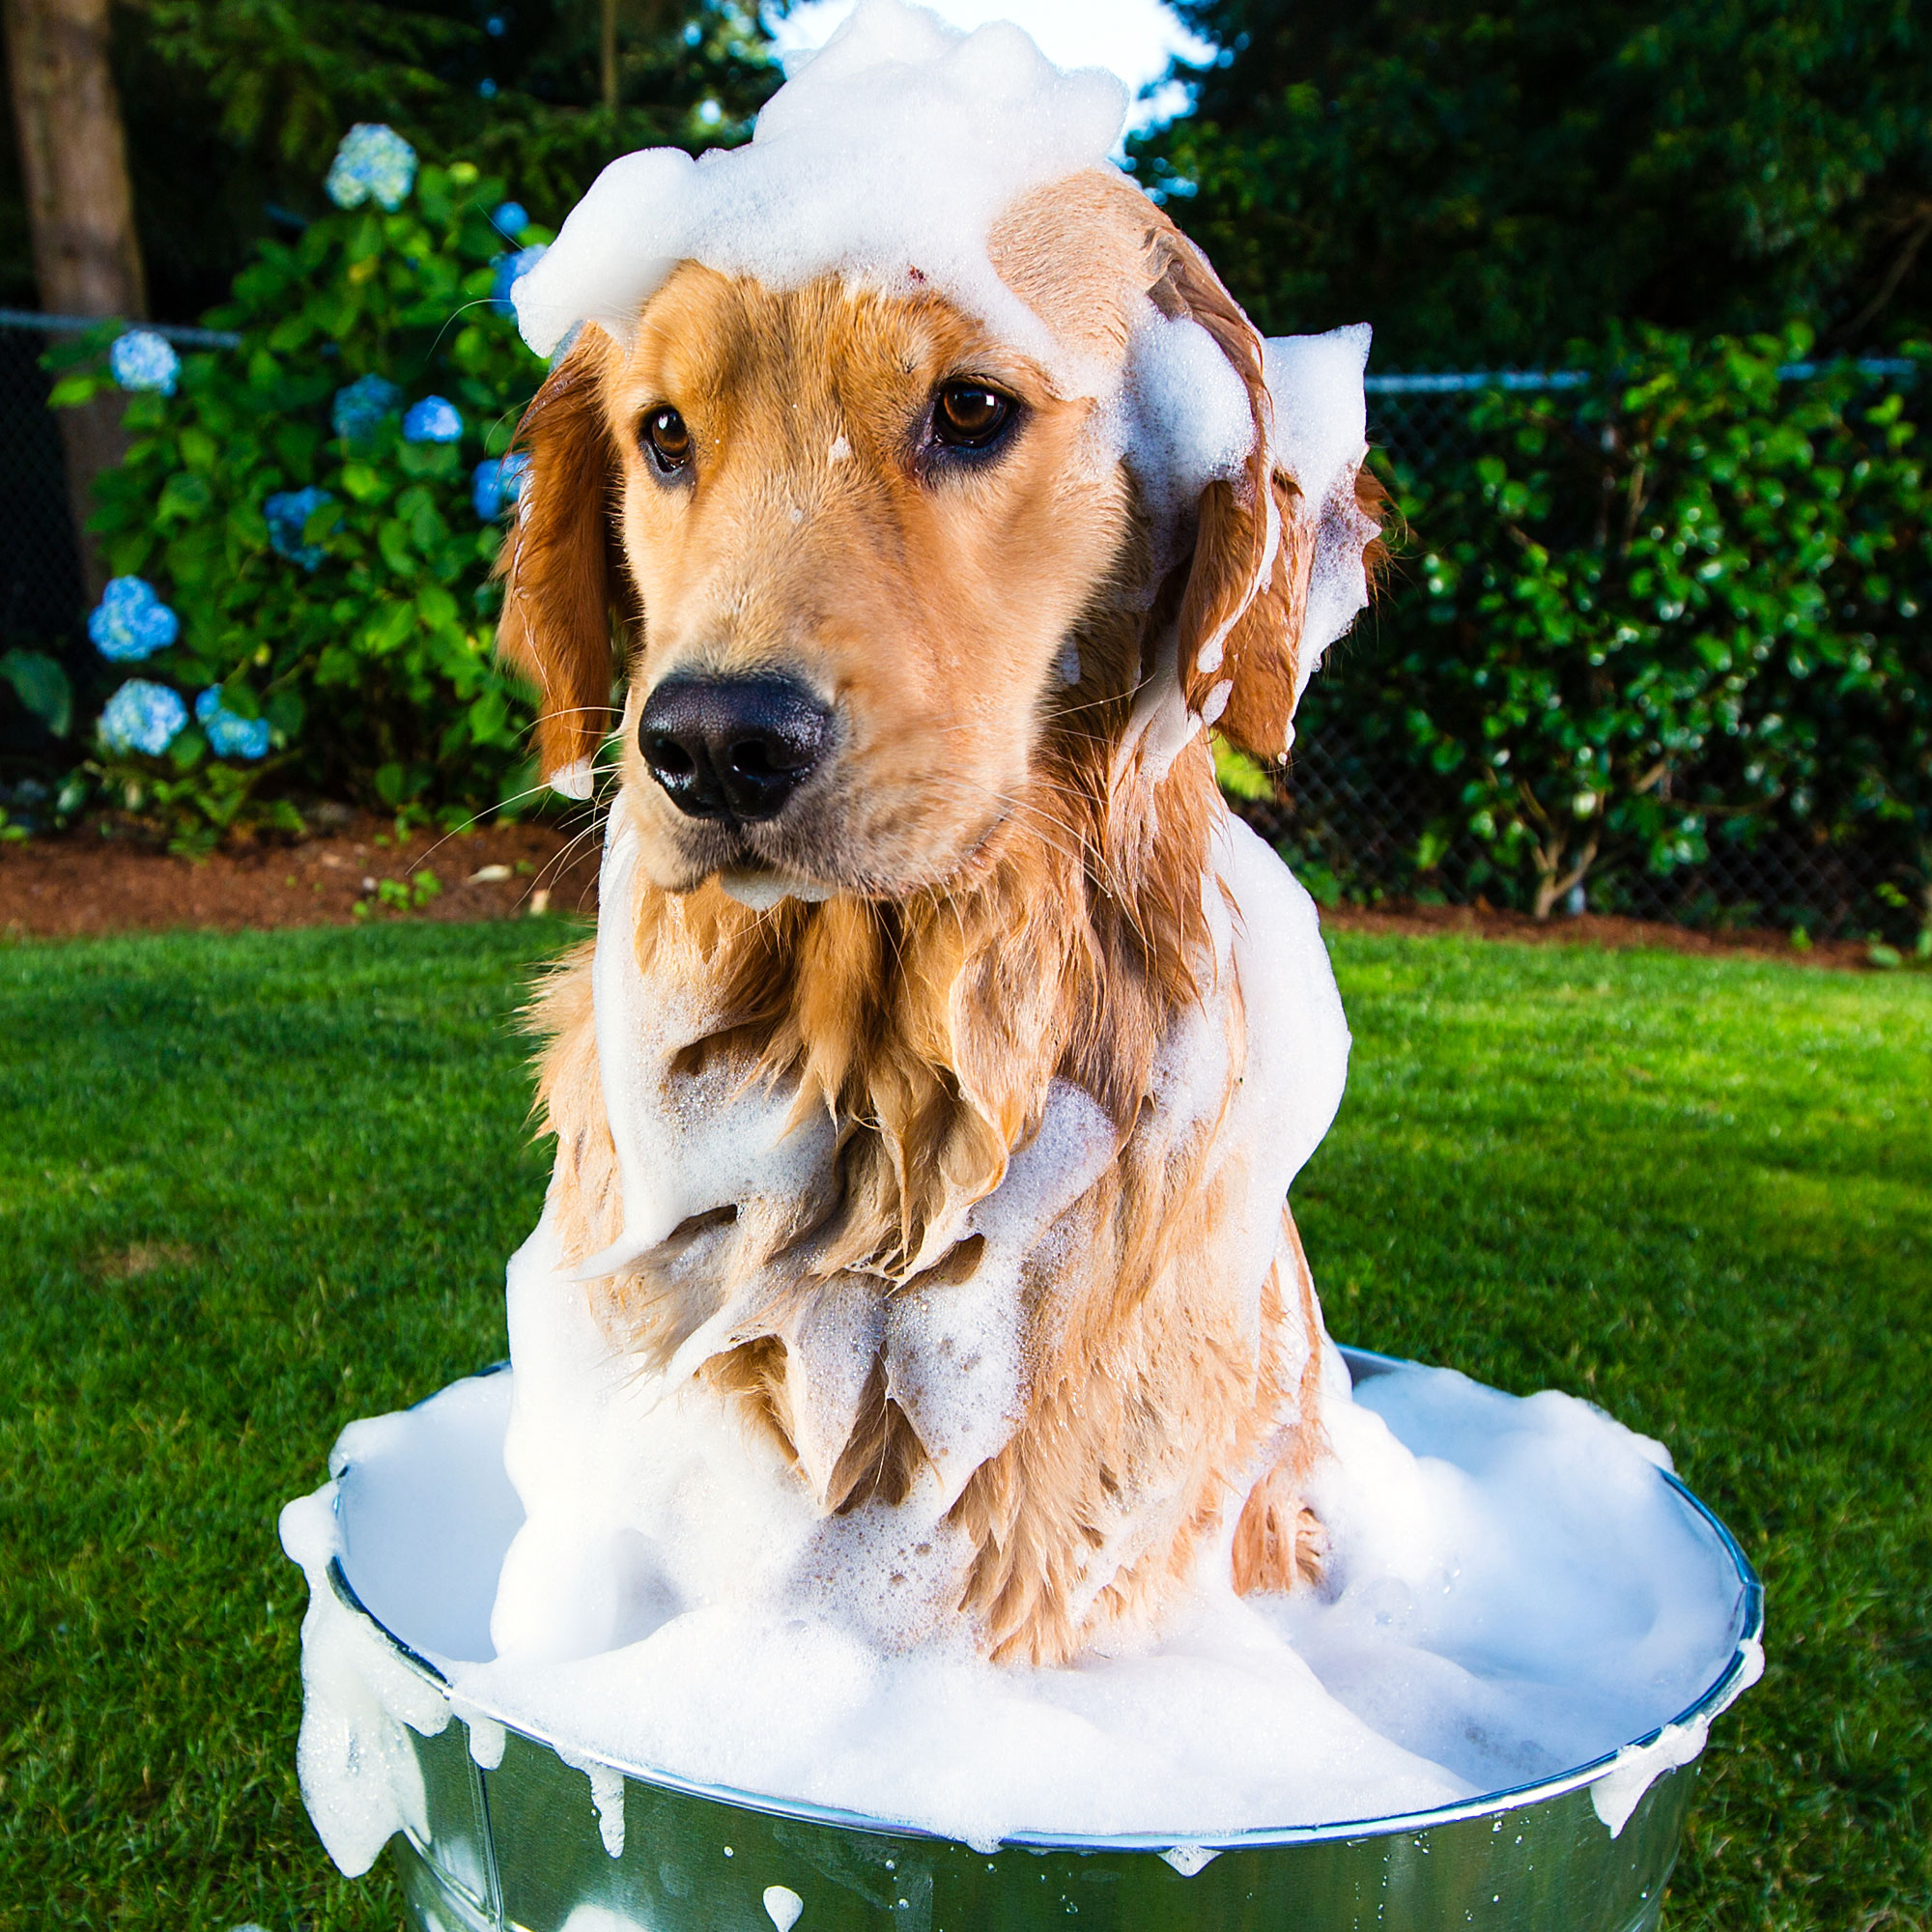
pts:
[1363, 1364]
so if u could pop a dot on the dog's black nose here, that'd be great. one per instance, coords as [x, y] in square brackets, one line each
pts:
[731, 747]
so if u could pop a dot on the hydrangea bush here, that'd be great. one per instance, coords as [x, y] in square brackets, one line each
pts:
[301, 531]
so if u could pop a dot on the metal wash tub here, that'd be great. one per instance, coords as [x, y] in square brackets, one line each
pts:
[519, 1848]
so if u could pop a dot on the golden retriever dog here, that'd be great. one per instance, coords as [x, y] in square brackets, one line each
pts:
[926, 1106]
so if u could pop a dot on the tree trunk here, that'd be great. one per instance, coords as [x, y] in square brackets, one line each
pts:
[606, 62]
[80, 208]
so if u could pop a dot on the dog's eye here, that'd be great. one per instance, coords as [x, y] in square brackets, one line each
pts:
[970, 416]
[669, 440]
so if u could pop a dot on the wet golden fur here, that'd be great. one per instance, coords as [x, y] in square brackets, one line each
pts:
[1013, 898]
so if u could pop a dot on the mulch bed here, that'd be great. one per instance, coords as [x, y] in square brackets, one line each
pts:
[82, 883]
[1613, 934]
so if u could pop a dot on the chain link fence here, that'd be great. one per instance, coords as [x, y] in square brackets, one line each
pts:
[1346, 818]
[1345, 822]
[41, 587]
[1354, 819]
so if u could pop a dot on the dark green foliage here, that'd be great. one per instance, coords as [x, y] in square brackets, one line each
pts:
[257, 1186]
[234, 107]
[41, 685]
[1682, 607]
[1486, 184]
[374, 669]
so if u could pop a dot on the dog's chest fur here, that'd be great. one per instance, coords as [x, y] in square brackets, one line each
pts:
[1042, 1396]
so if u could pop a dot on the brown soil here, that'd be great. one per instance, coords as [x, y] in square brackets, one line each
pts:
[1615, 935]
[84, 883]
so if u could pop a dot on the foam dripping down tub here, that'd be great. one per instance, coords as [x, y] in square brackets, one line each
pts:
[495, 1819]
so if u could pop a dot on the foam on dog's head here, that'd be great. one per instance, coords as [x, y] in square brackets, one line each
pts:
[886, 159]
[1320, 439]
[896, 159]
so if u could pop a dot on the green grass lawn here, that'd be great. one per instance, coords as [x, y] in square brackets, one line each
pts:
[252, 1187]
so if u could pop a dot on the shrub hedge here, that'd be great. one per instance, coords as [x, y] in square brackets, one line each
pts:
[1685, 606]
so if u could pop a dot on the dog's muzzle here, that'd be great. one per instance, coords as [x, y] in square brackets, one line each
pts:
[732, 748]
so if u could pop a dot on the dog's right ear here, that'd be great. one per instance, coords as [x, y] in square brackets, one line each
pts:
[565, 588]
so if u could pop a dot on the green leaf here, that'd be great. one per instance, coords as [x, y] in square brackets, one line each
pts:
[438, 608]
[41, 685]
[392, 539]
[364, 482]
[184, 497]
[82, 387]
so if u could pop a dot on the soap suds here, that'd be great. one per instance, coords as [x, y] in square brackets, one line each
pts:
[1189, 1860]
[1618, 1793]
[1181, 419]
[1516, 1590]
[487, 1740]
[886, 158]
[573, 781]
[1315, 383]
[357, 1768]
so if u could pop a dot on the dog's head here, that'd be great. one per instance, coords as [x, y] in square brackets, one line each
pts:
[871, 570]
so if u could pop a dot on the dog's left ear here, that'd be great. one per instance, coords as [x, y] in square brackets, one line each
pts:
[1286, 552]
[565, 590]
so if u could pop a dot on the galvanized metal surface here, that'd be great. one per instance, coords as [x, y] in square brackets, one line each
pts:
[520, 1848]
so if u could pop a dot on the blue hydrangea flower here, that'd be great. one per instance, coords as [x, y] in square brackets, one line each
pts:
[141, 359]
[496, 484]
[230, 735]
[509, 217]
[142, 717]
[130, 623]
[361, 406]
[287, 514]
[434, 420]
[511, 269]
[372, 161]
